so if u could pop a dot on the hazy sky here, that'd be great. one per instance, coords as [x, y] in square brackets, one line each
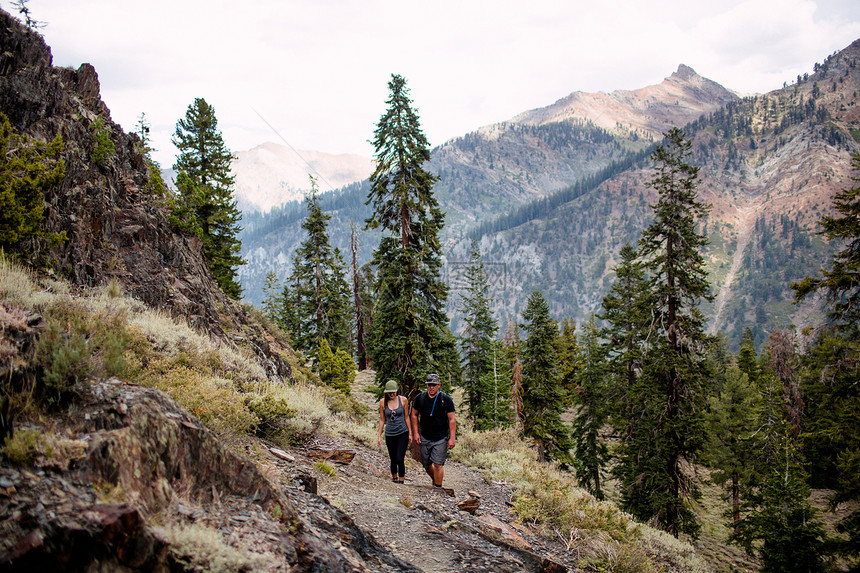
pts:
[317, 70]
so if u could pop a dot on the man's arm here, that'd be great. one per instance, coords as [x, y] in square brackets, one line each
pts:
[416, 432]
[452, 429]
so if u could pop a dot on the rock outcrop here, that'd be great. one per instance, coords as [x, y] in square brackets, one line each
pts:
[131, 455]
[114, 212]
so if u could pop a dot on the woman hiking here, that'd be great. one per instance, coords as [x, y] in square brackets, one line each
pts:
[398, 429]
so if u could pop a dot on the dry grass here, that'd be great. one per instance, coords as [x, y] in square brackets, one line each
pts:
[202, 548]
[222, 385]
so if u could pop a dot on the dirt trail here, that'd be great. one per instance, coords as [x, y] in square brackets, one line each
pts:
[746, 224]
[422, 525]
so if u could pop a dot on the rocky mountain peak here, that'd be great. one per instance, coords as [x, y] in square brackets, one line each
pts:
[687, 73]
[677, 100]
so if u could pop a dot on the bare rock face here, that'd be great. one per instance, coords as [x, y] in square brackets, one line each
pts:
[677, 100]
[137, 445]
[113, 212]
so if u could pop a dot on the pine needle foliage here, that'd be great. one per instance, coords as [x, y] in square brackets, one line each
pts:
[317, 292]
[543, 398]
[476, 344]
[410, 336]
[206, 206]
[670, 394]
[590, 451]
[27, 170]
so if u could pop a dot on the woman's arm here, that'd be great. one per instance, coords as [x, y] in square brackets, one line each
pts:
[407, 415]
[381, 422]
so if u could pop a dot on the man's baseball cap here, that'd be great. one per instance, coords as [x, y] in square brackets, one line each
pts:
[433, 378]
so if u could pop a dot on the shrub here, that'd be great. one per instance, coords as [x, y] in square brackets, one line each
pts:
[76, 345]
[213, 400]
[103, 148]
[201, 548]
[550, 500]
[27, 169]
[274, 414]
[337, 369]
[23, 447]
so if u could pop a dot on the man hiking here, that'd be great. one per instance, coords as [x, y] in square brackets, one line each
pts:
[433, 415]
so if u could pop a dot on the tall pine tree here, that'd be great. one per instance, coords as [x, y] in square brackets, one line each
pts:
[410, 336]
[205, 185]
[590, 451]
[477, 340]
[670, 393]
[543, 397]
[319, 296]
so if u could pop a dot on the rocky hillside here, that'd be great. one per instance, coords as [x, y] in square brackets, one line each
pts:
[270, 174]
[499, 167]
[769, 166]
[114, 211]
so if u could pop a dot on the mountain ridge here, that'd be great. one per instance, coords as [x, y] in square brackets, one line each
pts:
[270, 174]
[607, 110]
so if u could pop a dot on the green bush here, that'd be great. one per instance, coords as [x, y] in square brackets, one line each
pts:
[27, 169]
[337, 369]
[23, 447]
[553, 502]
[103, 148]
[76, 345]
[273, 413]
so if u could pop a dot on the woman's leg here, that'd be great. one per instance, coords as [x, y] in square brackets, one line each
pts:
[393, 444]
[402, 444]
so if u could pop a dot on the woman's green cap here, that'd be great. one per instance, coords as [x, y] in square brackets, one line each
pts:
[390, 386]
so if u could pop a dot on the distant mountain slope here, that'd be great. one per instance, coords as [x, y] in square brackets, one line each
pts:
[769, 165]
[677, 100]
[270, 174]
[501, 167]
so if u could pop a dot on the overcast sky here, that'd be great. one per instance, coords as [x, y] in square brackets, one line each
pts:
[317, 70]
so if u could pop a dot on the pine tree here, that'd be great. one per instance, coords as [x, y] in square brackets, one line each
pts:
[733, 414]
[569, 356]
[319, 296]
[273, 301]
[670, 393]
[496, 411]
[542, 395]
[410, 336]
[627, 318]
[477, 339]
[27, 169]
[205, 185]
[777, 522]
[589, 450]
[746, 356]
[833, 366]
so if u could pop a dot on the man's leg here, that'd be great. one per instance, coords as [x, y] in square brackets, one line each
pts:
[438, 473]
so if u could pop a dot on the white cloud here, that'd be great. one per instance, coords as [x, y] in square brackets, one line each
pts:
[317, 69]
